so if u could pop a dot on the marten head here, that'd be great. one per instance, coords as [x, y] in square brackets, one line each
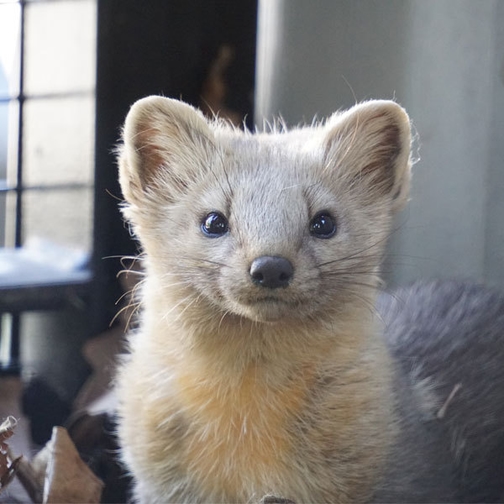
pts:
[268, 226]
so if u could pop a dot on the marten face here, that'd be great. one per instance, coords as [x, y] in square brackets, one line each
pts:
[267, 226]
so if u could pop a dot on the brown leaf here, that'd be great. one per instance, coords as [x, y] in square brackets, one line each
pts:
[7, 466]
[68, 478]
[58, 474]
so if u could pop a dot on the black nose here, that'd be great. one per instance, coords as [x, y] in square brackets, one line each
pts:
[271, 272]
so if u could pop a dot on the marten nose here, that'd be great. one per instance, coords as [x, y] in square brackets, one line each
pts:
[271, 271]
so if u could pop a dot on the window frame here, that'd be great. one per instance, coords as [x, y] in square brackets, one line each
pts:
[24, 291]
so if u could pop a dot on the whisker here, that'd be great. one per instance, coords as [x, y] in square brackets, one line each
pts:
[187, 307]
[355, 254]
[364, 284]
[174, 307]
[353, 260]
[133, 312]
[120, 256]
[135, 307]
[127, 293]
[216, 263]
[365, 302]
[130, 272]
[224, 315]
[347, 274]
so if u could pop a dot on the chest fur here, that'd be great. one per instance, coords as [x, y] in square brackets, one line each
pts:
[192, 436]
[239, 437]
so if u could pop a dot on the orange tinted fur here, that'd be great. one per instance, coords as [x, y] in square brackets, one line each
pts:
[233, 391]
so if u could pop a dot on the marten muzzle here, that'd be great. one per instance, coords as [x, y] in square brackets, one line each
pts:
[271, 272]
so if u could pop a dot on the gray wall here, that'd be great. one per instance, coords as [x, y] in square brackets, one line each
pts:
[443, 60]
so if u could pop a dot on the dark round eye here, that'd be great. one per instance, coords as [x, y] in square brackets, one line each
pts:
[214, 225]
[323, 225]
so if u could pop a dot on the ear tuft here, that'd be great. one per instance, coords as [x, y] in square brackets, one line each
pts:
[370, 144]
[164, 140]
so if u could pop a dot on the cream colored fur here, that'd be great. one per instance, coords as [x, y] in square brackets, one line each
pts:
[230, 392]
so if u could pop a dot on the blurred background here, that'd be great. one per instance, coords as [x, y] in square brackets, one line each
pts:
[443, 60]
[69, 71]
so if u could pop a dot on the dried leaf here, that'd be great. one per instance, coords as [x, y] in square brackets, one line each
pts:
[7, 429]
[7, 465]
[58, 474]
[30, 479]
[68, 478]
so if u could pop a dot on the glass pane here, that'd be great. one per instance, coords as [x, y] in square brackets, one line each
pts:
[62, 217]
[12, 141]
[9, 118]
[5, 338]
[8, 159]
[10, 21]
[60, 46]
[4, 141]
[8, 203]
[3, 207]
[58, 141]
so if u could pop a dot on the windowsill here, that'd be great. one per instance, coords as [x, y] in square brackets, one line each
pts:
[30, 280]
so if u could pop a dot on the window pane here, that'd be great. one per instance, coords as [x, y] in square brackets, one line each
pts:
[4, 140]
[58, 141]
[60, 46]
[8, 205]
[60, 216]
[7, 222]
[3, 205]
[10, 21]
[8, 159]
[9, 118]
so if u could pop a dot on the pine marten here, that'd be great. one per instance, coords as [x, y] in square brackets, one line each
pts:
[260, 366]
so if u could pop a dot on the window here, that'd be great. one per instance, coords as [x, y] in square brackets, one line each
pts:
[59, 194]
[47, 108]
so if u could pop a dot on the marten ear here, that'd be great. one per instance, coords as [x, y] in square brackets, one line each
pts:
[369, 147]
[167, 144]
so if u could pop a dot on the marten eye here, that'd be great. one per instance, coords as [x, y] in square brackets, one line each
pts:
[323, 225]
[214, 225]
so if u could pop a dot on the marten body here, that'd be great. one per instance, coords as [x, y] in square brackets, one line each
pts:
[259, 366]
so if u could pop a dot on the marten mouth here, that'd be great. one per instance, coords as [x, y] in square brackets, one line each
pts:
[264, 305]
[265, 308]
[271, 300]
[262, 299]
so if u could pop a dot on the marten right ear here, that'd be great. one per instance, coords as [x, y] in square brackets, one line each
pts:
[166, 146]
[369, 147]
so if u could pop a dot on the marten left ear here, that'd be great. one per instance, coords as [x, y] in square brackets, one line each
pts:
[369, 146]
[167, 147]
